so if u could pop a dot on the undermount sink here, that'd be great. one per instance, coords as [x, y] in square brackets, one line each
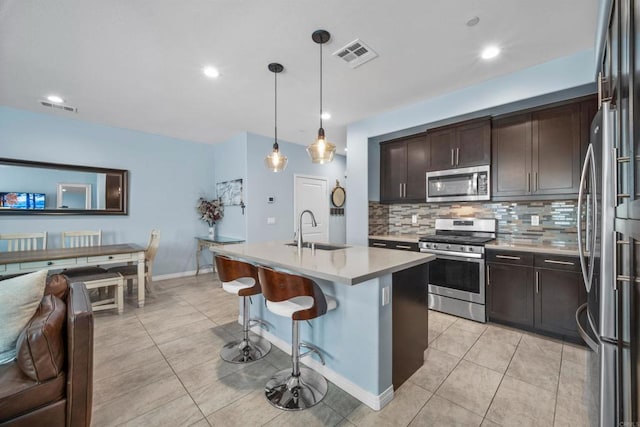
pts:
[321, 246]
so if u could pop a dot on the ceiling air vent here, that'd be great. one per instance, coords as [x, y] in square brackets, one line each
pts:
[356, 53]
[63, 107]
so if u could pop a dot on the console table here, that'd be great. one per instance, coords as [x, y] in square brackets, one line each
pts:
[91, 256]
[206, 242]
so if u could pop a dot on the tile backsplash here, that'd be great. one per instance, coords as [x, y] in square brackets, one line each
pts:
[557, 218]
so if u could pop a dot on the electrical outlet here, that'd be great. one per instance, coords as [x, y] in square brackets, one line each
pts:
[271, 220]
[414, 219]
[385, 295]
[535, 220]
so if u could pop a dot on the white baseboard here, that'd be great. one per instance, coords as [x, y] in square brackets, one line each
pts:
[375, 402]
[182, 274]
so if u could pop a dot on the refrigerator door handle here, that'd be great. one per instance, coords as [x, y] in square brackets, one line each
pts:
[583, 334]
[583, 178]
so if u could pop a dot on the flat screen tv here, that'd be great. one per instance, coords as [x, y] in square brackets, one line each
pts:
[22, 200]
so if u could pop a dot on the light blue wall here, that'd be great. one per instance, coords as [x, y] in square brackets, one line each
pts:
[167, 176]
[555, 76]
[264, 183]
[230, 163]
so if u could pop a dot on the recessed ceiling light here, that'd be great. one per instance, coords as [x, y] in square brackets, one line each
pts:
[211, 72]
[490, 52]
[55, 98]
[473, 21]
[325, 116]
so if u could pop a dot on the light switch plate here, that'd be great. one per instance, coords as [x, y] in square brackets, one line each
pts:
[535, 220]
[271, 220]
[414, 219]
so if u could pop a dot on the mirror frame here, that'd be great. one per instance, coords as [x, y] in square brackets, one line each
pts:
[123, 173]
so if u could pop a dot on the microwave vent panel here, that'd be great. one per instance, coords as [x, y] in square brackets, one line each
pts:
[63, 107]
[355, 53]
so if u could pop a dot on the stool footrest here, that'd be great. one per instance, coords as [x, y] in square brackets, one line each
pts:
[311, 349]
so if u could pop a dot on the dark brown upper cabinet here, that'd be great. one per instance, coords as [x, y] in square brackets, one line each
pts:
[461, 145]
[403, 167]
[539, 154]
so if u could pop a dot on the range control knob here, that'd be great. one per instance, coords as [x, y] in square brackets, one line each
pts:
[435, 246]
[470, 249]
[448, 246]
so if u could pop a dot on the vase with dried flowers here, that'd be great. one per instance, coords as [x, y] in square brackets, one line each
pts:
[211, 211]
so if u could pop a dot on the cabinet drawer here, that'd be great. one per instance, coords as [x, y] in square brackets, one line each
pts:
[48, 264]
[391, 244]
[557, 262]
[510, 257]
[405, 246]
[380, 243]
[111, 258]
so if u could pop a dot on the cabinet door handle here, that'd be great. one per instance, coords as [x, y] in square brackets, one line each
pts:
[537, 282]
[452, 164]
[404, 190]
[536, 182]
[400, 190]
[553, 261]
[508, 257]
[529, 182]
[382, 245]
[403, 247]
[488, 276]
[457, 156]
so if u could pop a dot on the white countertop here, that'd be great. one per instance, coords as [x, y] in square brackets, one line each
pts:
[397, 237]
[558, 248]
[350, 266]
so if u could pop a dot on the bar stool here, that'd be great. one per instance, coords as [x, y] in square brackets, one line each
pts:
[241, 279]
[298, 298]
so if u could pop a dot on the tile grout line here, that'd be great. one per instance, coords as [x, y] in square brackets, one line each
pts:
[453, 369]
[502, 379]
[555, 403]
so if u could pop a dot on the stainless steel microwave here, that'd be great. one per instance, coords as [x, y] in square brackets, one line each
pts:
[455, 185]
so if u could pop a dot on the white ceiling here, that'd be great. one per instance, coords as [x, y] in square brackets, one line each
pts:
[137, 64]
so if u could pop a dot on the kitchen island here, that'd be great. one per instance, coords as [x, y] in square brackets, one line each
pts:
[376, 336]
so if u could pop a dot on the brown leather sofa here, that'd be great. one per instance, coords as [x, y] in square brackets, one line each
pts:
[51, 381]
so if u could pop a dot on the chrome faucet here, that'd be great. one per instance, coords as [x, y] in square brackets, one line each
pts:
[313, 223]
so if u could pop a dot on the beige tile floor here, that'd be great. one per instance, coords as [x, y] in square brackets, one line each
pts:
[159, 366]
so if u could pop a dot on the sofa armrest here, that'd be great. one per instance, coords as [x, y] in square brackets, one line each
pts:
[80, 356]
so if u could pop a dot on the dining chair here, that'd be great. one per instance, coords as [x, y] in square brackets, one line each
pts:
[130, 272]
[25, 241]
[79, 239]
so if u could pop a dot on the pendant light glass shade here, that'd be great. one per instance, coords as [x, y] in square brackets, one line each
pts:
[275, 161]
[321, 151]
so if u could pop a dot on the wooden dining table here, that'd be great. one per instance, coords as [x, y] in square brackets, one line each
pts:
[61, 258]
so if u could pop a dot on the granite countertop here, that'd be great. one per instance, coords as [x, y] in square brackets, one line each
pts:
[556, 248]
[350, 265]
[397, 237]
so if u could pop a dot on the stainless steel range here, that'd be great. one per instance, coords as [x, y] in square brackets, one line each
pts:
[457, 275]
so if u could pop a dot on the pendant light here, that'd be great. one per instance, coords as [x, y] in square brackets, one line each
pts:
[275, 161]
[321, 151]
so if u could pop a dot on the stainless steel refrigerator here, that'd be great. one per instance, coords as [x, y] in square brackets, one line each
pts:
[609, 224]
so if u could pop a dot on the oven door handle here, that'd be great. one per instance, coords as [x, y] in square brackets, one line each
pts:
[455, 256]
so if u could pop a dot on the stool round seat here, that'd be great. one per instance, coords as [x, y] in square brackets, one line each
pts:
[298, 298]
[235, 286]
[241, 278]
[289, 307]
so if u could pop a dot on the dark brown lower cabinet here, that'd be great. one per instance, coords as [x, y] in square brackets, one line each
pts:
[558, 294]
[539, 292]
[510, 294]
[410, 320]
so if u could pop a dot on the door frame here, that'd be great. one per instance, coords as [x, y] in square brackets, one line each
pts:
[295, 202]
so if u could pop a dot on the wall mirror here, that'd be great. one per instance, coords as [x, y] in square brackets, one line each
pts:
[28, 188]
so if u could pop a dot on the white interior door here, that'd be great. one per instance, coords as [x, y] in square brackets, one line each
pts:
[311, 193]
